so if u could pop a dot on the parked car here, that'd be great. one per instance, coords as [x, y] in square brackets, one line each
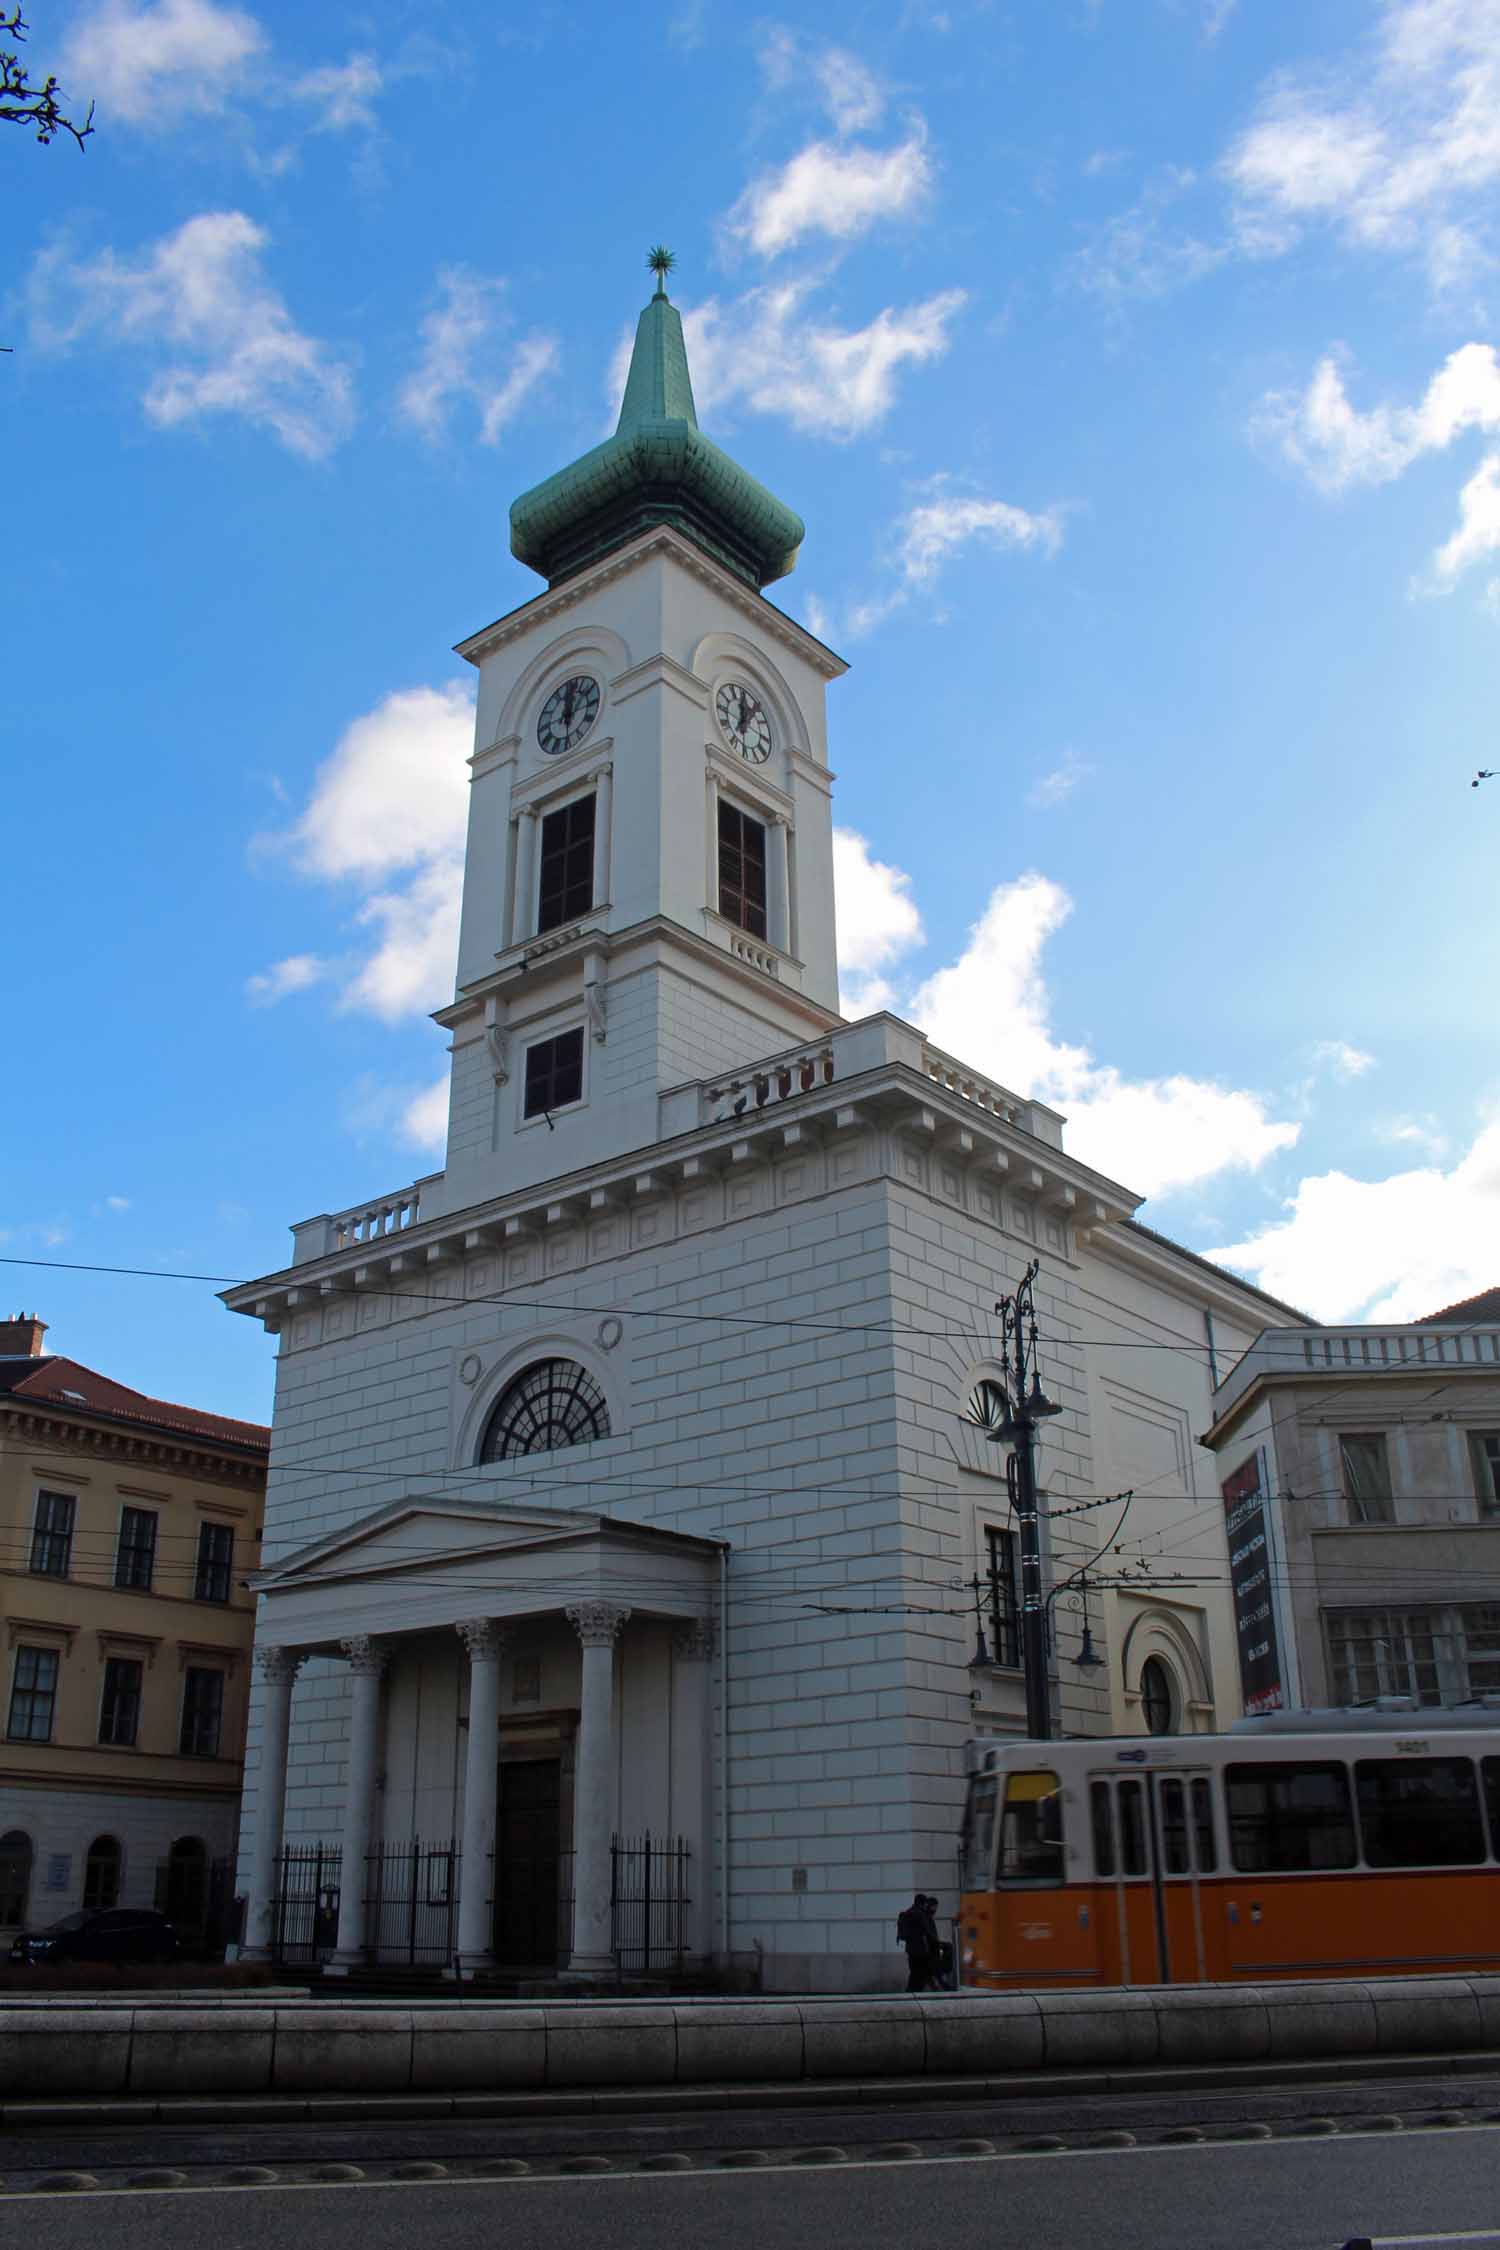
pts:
[119, 1933]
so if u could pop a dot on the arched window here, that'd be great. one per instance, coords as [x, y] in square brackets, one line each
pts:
[15, 1878]
[101, 1874]
[1158, 1697]
[552, 1403]
[986, 1405]
[187, 1883]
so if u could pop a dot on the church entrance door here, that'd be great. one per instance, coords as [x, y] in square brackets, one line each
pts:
[527, 1861]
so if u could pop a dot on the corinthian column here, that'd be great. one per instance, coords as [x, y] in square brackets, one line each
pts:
[485, 1642]
[597, 1625]
[278, 1668]
[367, 1662]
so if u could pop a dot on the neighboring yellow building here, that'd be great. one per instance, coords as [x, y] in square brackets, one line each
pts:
[128, 1527]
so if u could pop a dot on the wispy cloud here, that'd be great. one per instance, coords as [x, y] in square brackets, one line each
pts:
[459, 359]
[832, 190]
[772, 352]
[935, 529]
[199, 304]
[1145, 251]
[294, 974]
[1341, 1059]
[154, 65]
[1058, 783]
[341, 95]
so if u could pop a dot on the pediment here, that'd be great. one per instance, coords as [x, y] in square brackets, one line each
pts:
[437, 1537]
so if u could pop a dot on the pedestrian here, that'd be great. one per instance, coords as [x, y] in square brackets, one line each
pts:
[940, 1973]
[913, 1932]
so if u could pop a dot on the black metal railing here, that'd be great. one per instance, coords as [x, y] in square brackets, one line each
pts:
[649, 1899]
[411, 1901]
[305, 1912]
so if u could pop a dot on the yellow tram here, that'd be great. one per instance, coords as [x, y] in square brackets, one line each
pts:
[1309, 1845]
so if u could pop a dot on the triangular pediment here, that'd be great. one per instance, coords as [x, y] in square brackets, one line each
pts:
[439, 1536]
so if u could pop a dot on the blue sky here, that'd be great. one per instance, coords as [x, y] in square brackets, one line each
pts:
[1132, 363]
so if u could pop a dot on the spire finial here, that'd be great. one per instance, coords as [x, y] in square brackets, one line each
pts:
[660, 261]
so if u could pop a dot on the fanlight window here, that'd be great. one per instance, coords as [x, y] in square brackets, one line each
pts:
[551, 1404]
[986, 1405]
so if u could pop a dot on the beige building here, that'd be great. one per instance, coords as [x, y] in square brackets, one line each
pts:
[1360, 1472]
[128, 1527]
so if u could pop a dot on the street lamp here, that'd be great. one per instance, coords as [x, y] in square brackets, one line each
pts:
[1022, 1404]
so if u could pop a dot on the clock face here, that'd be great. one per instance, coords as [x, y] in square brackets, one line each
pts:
[743, 719]
[567, 715]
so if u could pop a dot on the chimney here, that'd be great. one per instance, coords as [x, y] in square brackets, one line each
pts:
[21, 1338]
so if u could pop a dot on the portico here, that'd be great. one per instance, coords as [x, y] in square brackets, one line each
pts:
[526, 1681]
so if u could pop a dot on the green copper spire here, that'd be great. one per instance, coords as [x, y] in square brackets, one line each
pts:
[658, 468]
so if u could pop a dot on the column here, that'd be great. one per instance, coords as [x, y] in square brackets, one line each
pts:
[692, 1762]
[367, 1662]
[278, 1668]
[603, 805]
[778, 895]
[597, 1625]
[522, 906]
[485, 1642]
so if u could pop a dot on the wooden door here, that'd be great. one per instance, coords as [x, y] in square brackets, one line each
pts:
[527, 1857]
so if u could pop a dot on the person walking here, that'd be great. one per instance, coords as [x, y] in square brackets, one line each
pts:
[940, 1953]
[917, 1934]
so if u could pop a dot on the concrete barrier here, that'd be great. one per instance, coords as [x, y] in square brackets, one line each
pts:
[144, 2049]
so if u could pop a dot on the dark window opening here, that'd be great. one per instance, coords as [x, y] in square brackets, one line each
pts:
[120, 1706]
[215, 1562]
[202, 1713]
[566, 888]
[554, 1074]
[742, 869]
[15, 1878]
[101, 1874]
[1286, 1819]
[1366, 1470]
[1004, 1598]
[1158, 1700]
[52, 1538]
[1419, 1812]
[33, 1695]
[552, 1404]
[135, 1560]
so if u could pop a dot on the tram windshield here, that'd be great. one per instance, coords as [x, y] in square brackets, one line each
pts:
[1031, 1842]
[979, 1832]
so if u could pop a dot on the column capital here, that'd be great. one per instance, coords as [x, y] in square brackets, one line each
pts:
[277, 1666]
[483, 1637]
[597, 1623]
[367, 1657]
[693, 1640]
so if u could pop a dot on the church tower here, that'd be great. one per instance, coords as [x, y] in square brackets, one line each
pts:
[648, 886]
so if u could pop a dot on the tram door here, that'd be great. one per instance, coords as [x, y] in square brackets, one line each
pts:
[1153, 1839]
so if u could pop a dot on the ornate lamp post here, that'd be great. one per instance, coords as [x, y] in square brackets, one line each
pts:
[1025, 1404]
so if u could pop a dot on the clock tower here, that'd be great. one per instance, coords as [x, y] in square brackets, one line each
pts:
[648, 886]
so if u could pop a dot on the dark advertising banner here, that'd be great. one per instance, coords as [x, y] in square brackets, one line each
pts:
[1250, 1580]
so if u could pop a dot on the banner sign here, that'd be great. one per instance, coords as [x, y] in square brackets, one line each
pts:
[1250, 1580]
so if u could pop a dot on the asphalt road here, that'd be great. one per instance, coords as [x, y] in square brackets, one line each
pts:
[1422, 2186]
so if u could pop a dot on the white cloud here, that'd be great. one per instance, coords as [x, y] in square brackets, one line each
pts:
[342, 94]
[877, 921]
[934, 530]
[1342, 1059]
[768, 352]
[1397, 146]
[455, 334]
[387, 815]
[117, 1203]
[154, 65]
[1390, 1249]
[1057, 785]
[847, 89]
[832, 189]
[424, 1120]
[294, 974]
[1142, 253]
[199, 300]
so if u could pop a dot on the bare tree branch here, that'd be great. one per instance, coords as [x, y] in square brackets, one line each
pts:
[22, 102]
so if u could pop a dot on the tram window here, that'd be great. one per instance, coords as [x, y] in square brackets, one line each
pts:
[1286, 1819]
[1132, 1829]
[1104, 1834]
[1490, 1768]
[1031, 1843]
[1174, 1843]
[979, 1832]
[1203, 1822]
[1419, 1812]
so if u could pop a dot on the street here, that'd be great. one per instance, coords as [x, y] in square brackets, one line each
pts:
[1412, 2163]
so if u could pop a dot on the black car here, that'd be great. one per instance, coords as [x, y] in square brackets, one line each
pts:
[120, 1933]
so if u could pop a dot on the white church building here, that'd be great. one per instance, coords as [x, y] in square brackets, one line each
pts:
[620, 1481]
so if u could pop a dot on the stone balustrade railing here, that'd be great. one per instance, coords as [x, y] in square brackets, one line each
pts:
[1359, 1350]
[373, 1221]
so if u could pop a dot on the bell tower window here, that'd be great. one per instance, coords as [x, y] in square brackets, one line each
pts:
[742, 869]
[566, 886]
[554, 1074]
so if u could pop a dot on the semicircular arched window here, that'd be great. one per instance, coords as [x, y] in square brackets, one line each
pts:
[1158, 1697]
[552, 1403]
[101, 1874]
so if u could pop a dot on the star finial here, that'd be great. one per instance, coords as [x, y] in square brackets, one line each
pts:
[660, 261]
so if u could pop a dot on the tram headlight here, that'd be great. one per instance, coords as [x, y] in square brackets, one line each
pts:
[968, 1956]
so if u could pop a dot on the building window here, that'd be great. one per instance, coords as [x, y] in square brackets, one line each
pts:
[1004, 1597]
[135, 1557]
[101, 1875]
[1366, 1471]
[553, 1404]
[1373, 1652]
[215, 1562]
[554, 1074]
[1484, 1457]
[1158, 1697]
[742, 869]
[566, 886]
[52, 1537]
[186, 1892]
[33, 1695]
[120, 1705]
[202, 1713]
[15, 1878]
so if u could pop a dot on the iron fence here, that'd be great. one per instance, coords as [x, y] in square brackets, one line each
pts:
[305, 1920]
[411, 1901]
[649, 1899]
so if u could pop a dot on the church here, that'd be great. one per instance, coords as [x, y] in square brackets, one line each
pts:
[637, 1564]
